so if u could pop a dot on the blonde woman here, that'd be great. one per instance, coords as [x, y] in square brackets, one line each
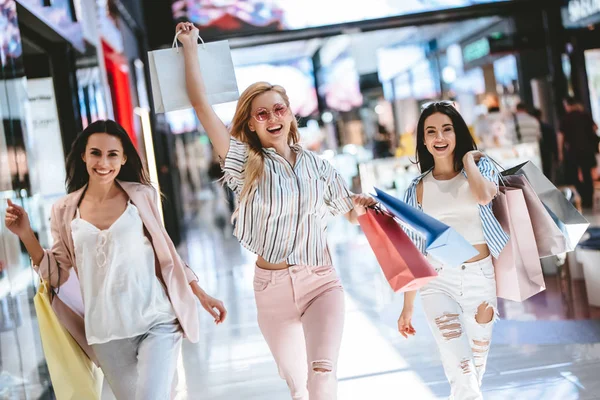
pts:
[285, 195]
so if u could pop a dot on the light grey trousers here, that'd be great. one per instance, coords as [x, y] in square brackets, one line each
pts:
[142, 367]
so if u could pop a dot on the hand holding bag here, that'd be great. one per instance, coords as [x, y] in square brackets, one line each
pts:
[403, 265]
[167, 76]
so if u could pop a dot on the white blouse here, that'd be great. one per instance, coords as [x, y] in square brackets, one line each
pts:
[122, 296]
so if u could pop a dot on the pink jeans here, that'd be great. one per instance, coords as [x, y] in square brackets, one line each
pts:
[301, 316]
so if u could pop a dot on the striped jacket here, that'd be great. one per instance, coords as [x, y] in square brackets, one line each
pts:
[494, 236]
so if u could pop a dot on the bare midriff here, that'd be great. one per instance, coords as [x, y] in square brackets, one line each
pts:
[264, 264]
[483, 250]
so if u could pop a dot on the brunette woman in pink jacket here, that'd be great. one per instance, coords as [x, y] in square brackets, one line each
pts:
[139, 296]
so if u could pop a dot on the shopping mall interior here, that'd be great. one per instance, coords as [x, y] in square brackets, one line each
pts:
[358, 74]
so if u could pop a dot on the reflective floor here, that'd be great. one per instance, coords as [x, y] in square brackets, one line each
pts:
[544, 350]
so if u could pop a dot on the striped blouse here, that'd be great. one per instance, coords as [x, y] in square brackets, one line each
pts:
[284, 218]
[494, 236]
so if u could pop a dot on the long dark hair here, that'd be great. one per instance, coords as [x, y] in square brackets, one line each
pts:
[132, 171]
[464, 140]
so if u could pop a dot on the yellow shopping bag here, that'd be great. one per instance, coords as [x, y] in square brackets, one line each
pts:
[74, 376]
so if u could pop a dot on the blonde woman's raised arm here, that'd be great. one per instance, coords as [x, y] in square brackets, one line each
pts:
[216, 130]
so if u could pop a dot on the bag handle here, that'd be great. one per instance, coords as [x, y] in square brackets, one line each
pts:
[378, 208]
[499, 168]
[52, 293]
[176, 45]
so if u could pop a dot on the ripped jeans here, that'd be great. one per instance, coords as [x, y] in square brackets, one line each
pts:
[301, 316]
[456, 304]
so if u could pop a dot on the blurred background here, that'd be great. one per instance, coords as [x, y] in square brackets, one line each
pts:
[357, 74]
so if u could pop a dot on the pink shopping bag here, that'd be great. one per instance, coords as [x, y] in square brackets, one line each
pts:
[403, 265]
[518, 268]
[549, 238]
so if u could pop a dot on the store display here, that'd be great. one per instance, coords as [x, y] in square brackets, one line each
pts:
[58, 15]
[339, 82]
[296, 75]
[592, 63]
[243, 17]
[10, 38]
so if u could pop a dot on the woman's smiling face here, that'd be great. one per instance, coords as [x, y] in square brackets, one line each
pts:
[271, 118]
[440, 138]
[103, 157]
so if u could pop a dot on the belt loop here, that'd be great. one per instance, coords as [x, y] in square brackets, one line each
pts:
[272, 277]
[309, 270]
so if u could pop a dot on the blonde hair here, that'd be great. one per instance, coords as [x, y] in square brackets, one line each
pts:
[240, 130]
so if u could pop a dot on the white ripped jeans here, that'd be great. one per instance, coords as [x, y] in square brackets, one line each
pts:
[451, 302]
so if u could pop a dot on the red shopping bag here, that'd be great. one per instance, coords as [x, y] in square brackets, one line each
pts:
[518, 268]
[403, 265]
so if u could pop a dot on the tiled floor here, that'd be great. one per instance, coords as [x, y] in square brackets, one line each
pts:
[541, 352]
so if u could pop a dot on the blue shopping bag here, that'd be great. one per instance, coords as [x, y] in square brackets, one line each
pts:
[443, 242]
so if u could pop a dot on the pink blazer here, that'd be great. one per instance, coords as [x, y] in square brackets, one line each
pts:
[175, 274]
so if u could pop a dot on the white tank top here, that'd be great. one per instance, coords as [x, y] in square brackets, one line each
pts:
[452, 202]
[122, 296]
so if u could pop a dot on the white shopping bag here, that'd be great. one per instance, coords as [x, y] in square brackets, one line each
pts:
[167, 74]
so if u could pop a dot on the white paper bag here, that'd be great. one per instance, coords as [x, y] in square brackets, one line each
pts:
[167, 74]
